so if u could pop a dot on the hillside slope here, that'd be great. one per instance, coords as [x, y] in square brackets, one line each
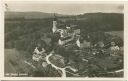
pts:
[29, 15]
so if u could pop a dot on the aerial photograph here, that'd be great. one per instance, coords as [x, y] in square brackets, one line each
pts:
[63, 40]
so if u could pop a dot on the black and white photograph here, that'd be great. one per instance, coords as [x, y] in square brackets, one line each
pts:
[64, 40]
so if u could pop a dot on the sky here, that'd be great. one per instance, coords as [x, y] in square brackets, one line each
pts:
[63, 8]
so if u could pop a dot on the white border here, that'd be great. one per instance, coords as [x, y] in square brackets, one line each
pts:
[1, 39]
[64, 2]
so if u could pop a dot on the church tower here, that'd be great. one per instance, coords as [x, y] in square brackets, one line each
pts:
[54, 28]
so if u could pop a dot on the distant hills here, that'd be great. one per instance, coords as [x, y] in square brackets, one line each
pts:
[88, 21]
[30, 15]
[41, 15]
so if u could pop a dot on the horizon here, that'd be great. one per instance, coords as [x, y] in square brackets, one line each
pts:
[63, 14]
[65, 9]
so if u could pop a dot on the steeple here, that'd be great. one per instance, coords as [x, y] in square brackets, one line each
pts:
[54, 28]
